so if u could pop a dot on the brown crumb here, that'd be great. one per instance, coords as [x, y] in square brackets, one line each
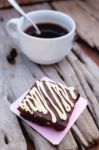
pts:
[11, 57]
[13, 53]
[11, 60]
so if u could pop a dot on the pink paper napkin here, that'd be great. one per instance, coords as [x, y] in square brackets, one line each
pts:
[50, 134]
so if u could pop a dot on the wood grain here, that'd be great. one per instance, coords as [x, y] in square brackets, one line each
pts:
[66, 68]
[92, 53]
[87, 24]
[5, 4]
[11, 135]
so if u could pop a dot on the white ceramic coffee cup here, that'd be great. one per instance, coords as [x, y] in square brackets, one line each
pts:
[43, 50]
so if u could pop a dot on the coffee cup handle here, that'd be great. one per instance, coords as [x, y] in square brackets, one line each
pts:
[12, 28]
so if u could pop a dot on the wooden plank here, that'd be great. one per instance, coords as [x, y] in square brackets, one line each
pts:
[4, 3]
[91, 7]
[93, 102]
[11, 135]
[91, 66]
[87, 25]
[65, 68]
[35, 70]
[92, 53]
[12, 13]
[40, 142]
[94, 5]
[67, 144]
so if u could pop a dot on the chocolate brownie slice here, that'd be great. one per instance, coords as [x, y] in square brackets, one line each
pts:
[49, 104]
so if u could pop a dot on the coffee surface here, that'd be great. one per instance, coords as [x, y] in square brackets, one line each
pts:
[48, 30]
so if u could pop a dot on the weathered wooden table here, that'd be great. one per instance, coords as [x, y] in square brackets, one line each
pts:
[77, 69]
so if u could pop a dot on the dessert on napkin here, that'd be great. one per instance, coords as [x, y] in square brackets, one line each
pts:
[76, 104]
[49, 104]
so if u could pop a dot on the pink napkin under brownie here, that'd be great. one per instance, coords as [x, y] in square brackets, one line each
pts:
[50, 134]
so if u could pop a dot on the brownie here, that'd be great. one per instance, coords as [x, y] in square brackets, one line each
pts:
[49, 104]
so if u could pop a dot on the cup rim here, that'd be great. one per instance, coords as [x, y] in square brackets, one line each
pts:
[57, 38]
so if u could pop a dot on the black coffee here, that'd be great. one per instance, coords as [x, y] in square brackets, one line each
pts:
[48, 30]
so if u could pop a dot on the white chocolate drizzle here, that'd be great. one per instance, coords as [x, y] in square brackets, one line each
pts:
[37, 97]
